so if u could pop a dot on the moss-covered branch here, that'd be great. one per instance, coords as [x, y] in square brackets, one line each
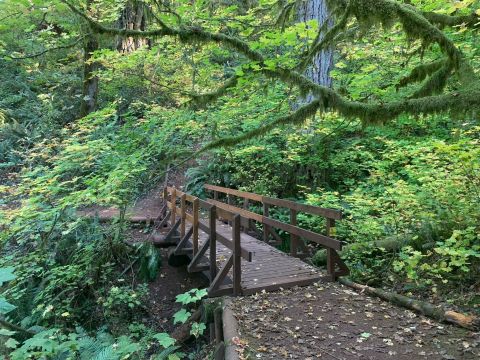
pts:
[442, 20]
[206, 98]
[421, 72]
[297, 117]
[365, 11]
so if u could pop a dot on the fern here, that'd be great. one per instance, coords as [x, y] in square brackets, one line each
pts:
[150, 261]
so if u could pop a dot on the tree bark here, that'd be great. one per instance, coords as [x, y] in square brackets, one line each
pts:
[466, 321]
[322, 64]
[90, 81]
[133, 17]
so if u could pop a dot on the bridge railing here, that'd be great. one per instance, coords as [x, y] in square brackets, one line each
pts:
[331, 244]
[187, 211]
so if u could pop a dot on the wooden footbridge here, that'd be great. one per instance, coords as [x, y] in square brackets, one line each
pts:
[214, 234]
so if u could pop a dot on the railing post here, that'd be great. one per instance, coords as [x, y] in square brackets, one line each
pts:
[237, 257]
[330, 228]
[174, 205]
[183, 208]
[196, 209]
[229, 202]
[165, 198]
[215, 195]
[293, 238]
[265, 226]
[246, 206]
[213, 242]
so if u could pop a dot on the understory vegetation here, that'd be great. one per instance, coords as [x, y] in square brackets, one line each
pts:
[96, 111]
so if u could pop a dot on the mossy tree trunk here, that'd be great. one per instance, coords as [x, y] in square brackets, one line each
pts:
[133, 17]
[90, 81]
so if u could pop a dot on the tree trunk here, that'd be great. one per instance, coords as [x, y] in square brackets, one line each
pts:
[133, 17]
[319, 70]
[90, 81]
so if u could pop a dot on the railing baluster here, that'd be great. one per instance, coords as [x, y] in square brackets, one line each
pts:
[213, 242]
[183, 204]
[237, 259]
[293, 238]
[165, 198]
[330, 227]
[174, 205]
[196, 209]
[266, 211]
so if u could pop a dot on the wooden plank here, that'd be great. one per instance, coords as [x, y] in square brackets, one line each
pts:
[218, 280]
[266, 228]
[196, 209]
[172, 231]
[293, 238]
[303, 281]
[213, 242]
[183, 241]
[237, 258]
[309, 235]
[217, 189]
[173, 200]
[305, 208]
[227, 242]
[192, 267]
[236, 210]
[183, 212]
[310, 209]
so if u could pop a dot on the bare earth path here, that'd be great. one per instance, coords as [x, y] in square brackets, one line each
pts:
[331, 321]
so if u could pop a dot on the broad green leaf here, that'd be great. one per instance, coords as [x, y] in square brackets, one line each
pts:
[6, 274]
[164, 339]
[197, 329]
[181, 316]
[5, 306]
[11, 343]
[6, 332]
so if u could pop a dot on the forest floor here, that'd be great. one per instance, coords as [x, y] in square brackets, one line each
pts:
[330, 321]
[326, 320]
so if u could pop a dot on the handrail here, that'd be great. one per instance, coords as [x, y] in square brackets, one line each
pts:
[292, 229]
[237, 217]
[332, 245]
[310, 209]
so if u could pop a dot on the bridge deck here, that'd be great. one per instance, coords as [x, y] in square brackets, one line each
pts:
[269, 270]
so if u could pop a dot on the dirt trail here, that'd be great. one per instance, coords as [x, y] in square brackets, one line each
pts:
[145, 209]
[331, 321]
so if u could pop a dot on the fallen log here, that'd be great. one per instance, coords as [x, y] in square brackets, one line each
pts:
[463, 320]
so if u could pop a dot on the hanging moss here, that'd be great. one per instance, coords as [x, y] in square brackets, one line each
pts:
[368, 13]
[421, 72]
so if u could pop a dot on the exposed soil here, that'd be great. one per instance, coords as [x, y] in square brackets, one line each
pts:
[331, 321]
[170, 282]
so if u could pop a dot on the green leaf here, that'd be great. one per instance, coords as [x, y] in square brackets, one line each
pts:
[5, 306]
[5, 332]
[197, 329]
[181, 316]
[11, 343]
[164, 339]
[184, 298]
[6, 274]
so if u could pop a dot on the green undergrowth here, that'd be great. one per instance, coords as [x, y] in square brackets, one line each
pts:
[408, 191]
